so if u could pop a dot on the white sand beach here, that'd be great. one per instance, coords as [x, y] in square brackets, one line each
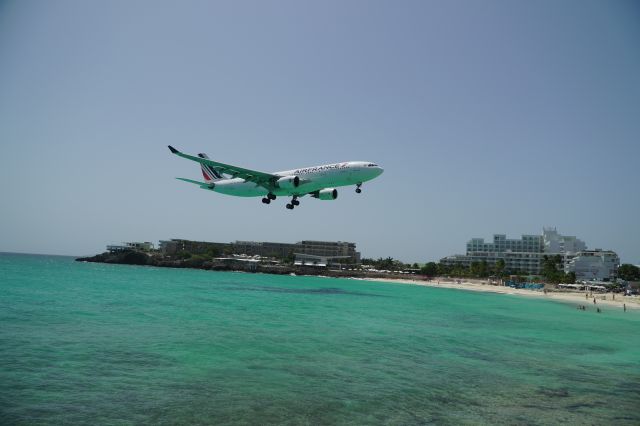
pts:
[577, 297]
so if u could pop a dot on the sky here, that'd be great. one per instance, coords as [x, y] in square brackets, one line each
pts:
[488, 117]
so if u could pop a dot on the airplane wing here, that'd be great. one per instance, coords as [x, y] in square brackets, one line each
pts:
[266, 180]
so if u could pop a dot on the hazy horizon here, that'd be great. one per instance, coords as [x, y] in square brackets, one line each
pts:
[488, 117]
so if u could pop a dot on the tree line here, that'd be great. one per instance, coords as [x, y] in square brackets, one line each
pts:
[552, 269]
[629, 272]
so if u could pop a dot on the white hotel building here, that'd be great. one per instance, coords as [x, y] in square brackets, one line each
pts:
[525, 255]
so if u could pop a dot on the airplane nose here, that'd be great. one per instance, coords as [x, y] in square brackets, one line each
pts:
[380, 170]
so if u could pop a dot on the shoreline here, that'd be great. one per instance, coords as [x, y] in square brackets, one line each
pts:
[602, 299]
[575, 297]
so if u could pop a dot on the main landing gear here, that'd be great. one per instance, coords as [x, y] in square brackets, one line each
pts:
[358, 190]
[294, 202]
[268, 198]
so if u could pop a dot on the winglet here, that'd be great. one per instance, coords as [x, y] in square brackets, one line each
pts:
[173, 150]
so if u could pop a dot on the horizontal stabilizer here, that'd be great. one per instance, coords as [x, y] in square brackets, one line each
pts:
[204, 185]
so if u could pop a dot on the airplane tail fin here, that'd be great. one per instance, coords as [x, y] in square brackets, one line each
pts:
[210, 174]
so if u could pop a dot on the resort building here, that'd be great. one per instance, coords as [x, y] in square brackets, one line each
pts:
[328, 249]
[556, 243]
[501, 244]
[264, 249]
[589, 265]
[132, 246]
[520, 255]
[311, 252]
[316, 252]
[525, 255]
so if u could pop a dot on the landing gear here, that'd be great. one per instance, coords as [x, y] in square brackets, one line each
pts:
[270, 197]
[358, 190]
[294, 202]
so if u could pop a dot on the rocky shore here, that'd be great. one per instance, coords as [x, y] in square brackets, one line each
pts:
[140, 258]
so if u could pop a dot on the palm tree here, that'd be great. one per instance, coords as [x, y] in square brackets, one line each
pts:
[500, 266]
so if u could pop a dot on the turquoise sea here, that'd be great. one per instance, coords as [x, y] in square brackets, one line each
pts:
[110, 344]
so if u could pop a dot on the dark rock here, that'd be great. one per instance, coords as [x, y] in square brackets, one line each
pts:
[133, 258]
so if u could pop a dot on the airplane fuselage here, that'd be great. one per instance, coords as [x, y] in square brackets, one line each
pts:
[318, 182]
[311, 179]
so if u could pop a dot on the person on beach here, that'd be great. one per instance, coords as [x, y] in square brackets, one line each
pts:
[594, 300]
[624, 306]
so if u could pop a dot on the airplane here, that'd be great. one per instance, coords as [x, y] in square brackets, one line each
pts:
[318, 182]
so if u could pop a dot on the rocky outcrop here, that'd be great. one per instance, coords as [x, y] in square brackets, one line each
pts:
[125, 258]
[139, 258]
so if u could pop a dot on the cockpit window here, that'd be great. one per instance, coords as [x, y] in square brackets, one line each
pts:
[372, 165]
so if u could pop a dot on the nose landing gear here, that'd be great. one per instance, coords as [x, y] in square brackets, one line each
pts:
[358, 190]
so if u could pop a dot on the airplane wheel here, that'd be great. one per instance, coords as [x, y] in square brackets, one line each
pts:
[295, 202]
[358, 190]
[266, 200]
[290, 206]
[271, 196]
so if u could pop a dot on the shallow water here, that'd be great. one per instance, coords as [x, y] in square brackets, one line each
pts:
[113, 344]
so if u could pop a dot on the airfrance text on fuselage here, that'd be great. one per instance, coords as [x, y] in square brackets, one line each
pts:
[321, 168]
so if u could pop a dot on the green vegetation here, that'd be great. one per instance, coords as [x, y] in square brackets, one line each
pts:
[629, 272]
[430, 269]
[500, 267]
[475, 270]
[388, 264]
[553, 273]
[213, 252]
[291, 257]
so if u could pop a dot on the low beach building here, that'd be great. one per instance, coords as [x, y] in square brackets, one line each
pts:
[302, 259]
[590, 265]
[145, 246]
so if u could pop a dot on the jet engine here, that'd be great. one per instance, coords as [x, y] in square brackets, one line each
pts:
[327, 194]
[289, 182]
